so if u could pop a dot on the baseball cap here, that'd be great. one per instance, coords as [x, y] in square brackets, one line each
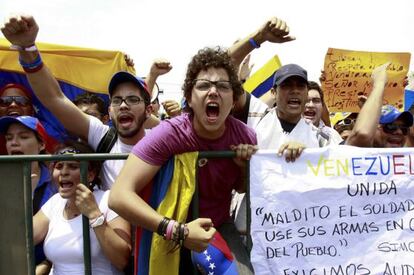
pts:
[389, 114]
[122, 77]
[30, 122]
[287, 71]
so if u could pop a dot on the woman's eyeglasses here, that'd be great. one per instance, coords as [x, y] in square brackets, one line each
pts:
[205, 85]
[129, 100]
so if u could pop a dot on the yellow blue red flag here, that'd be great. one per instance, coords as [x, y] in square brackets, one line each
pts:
[76, 69]
[171, 194]
[262, 80]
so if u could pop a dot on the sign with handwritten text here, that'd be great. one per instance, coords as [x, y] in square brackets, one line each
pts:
[342, 210]
[348, 74]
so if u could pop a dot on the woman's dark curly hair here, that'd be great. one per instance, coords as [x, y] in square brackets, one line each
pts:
[211, 58]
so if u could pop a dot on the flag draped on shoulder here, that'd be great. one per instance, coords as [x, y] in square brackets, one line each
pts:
[77, 70]
[262, 80]
[170, 194]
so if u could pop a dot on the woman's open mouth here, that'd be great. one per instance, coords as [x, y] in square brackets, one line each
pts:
[212, 112]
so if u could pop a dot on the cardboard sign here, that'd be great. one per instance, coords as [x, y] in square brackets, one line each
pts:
[348, 74]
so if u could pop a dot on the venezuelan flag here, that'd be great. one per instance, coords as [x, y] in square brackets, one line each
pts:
[77, 70]
[216, 259]
[170, 194]
[262, 80]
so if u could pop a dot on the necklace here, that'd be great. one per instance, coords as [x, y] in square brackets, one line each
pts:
[71, 213]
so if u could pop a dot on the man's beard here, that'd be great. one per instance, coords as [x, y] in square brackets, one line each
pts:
[132, 132]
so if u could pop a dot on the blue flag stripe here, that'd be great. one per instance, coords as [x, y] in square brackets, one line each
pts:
[53, 127]
[264, 87]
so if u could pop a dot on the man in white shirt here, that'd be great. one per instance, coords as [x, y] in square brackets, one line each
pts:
[284, 124]
[282, 127]
[129, 108]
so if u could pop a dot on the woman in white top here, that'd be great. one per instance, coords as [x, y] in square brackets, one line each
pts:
[59, 222]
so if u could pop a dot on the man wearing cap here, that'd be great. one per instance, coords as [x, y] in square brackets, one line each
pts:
[377, 125]
[393, 127]
[282, 127]
[284, 123]
[391, 131]
[128, 110]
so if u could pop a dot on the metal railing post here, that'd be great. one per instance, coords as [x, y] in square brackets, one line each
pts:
[84, 158]
[85, 224]
[249, 242]
[28, 205]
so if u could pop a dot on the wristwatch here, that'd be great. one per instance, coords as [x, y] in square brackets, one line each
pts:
[97, 221]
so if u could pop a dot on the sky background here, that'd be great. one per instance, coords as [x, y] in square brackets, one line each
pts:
[175, 30]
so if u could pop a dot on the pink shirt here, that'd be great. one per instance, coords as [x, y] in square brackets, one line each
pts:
[218, 177]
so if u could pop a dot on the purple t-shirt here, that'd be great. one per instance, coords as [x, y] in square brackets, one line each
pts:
[217, 177]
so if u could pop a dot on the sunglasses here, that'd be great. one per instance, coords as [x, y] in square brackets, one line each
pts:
[391, 128]
[346, 121]
[68, 151]
[6, 101]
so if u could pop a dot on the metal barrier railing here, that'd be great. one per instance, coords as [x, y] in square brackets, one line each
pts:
[24, 162]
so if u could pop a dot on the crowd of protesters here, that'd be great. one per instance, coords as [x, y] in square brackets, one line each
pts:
[217, 115]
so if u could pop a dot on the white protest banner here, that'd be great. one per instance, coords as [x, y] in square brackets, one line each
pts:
[335, 211]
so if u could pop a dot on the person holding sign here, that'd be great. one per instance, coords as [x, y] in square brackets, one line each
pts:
[377, 125]
[283, 127]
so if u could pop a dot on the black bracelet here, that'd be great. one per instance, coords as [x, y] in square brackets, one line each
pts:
[162, 227]
[181, 239]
